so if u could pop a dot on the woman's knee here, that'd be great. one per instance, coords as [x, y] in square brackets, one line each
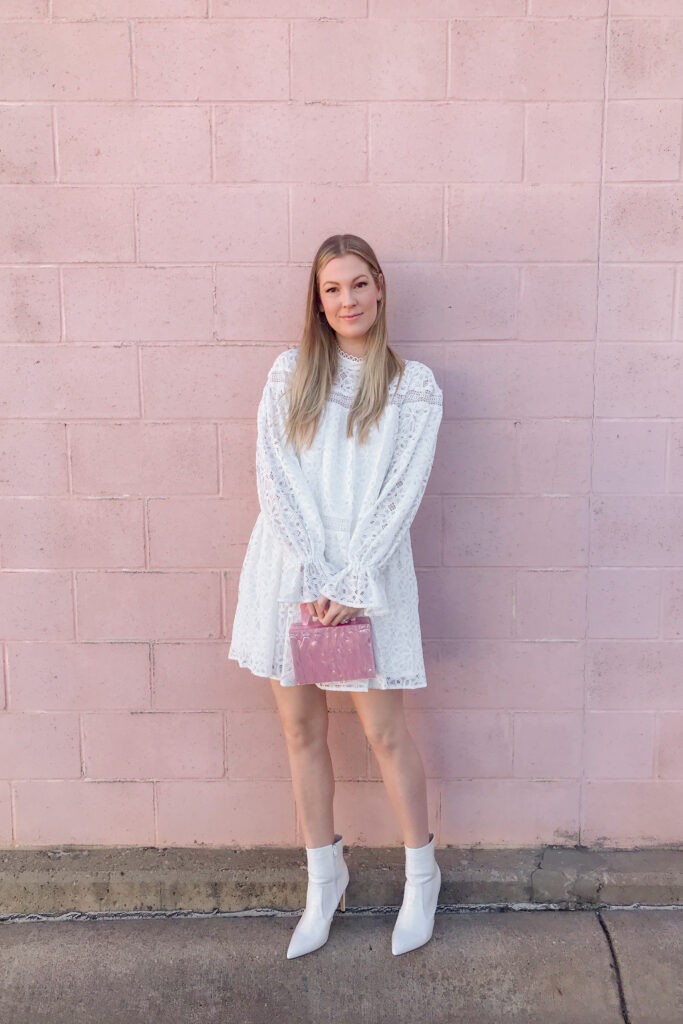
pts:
[303, 714]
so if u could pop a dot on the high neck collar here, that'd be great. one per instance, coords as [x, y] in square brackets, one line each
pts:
[356, 360]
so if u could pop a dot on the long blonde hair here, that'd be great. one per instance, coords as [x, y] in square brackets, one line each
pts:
[316, 365]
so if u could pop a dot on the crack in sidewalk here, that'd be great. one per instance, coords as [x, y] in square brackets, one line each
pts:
[617, 970]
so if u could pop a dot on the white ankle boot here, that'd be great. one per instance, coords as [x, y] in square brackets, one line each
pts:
[415, 921]
[328, 877]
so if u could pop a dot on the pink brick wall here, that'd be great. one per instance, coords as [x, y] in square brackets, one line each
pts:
[167, 169]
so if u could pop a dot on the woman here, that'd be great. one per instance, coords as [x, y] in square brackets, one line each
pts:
[346, 438]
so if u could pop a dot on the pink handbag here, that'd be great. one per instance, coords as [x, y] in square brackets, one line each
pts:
[327, 654]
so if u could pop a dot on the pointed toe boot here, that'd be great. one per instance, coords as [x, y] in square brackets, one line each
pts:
[328, 877]
[415, 921]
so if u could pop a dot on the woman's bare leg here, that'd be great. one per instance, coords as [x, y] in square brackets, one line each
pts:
[383, 719]
[303, 710]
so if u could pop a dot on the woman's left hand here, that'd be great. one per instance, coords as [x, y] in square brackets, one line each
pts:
[336, 613]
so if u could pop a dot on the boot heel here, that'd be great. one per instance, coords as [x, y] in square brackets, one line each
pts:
[342, 901]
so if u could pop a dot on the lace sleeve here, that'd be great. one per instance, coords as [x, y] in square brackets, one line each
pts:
[380, 530]
[285, 497]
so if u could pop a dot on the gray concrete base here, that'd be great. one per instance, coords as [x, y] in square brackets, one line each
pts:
[204, 879]
[523, 967]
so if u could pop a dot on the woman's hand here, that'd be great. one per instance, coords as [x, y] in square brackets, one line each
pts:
[331, 613]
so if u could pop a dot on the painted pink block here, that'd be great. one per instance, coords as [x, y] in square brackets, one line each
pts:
[147, 605]
[645, 58]
[153, 745]
[642, 222]
[58, 533]
[220, 812]
[39, 746]
[629, 456]
[205, 381]
[397, 59]
[635, 303]
[446, 141]
[510, 812]
[630, 814]
[475, 456]
[200, 60]
[5, 815]
[290, 9]
[433, 302]
[33, 458]
[448, 8]
[551, 153]
[282, 142]
[557, 303]
[672, 603]
[409, 218]
[646, 7]
[639, 530]
[144, 458]
[138, 303]
[634, 675]
[669, 749]
[83, 813]
[474, 602]
[60, 61]
[64, 223]
[242, 314]
[522, 222]
[457, 744]
[142, 143]
[82, 381]
[518, 379]
[638, 379]
[111, 9]
[36, 605]
[550, 604]
[527, 59]
[24, 9]
[560, 9]
[515, 531]
[510, 673]
[255, 746]
[82, 676]
[425, 533]
[643, 139]
[237, 446]
[623, 603]
[29, 304]
[197, 676]
[26, 133]
[553, 456]
[200, 223]
[618, 745]
[190, 532]
[547, 745]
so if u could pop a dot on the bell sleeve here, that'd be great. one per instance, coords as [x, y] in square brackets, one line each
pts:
[381, 528]
[285, 496]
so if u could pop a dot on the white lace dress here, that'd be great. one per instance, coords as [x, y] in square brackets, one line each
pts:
[335, 520]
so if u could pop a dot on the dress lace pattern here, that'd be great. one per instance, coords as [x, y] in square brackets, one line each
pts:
[335, 520]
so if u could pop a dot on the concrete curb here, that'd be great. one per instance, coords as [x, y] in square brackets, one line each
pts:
[103, 879]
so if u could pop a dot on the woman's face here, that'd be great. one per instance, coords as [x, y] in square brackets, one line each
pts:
[348, 295]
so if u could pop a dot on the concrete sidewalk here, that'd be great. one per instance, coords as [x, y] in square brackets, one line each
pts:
[524, 966]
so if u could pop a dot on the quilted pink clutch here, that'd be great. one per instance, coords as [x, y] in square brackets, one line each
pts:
[327, 654]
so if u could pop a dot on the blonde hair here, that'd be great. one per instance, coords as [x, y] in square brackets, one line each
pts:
[316, 365]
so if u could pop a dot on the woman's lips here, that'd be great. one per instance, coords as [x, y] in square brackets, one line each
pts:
[354, 317]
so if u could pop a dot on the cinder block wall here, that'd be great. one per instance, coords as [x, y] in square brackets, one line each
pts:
[167, 170]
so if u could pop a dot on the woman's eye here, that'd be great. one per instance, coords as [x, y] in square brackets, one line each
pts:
[361, 283]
